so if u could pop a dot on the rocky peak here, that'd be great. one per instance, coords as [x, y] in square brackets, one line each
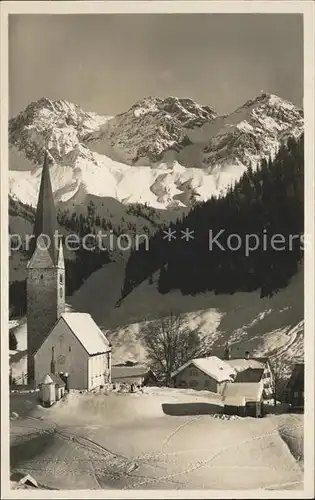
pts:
[254, 131]
[188, 149]
[59, 126]
[154, 126]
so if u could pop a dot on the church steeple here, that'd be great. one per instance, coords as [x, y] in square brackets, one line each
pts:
[45, 274]
[46, 218]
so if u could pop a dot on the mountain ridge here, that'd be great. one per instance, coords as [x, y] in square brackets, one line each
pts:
[164, 152]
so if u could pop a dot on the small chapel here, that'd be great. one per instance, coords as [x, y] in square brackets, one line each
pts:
[58, 342]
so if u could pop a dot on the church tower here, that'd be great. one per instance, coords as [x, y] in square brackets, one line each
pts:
[45, 272]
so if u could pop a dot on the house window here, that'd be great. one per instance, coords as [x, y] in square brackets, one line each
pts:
[60, 293]
[69, 348]
[207, 383]
[296, 394]
[41, 276]
[194, 373]
[193, 383]
[61, 279]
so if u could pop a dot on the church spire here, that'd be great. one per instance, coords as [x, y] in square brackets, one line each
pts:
[45, 274]
[46, 218]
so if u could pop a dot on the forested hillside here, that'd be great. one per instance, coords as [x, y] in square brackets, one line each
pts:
[78, 220]
[267, 202]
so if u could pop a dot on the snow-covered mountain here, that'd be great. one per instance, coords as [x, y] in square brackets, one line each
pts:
[151, 128]
[163, 152]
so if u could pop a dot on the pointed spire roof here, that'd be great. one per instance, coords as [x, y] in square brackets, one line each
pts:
[46, 217]
[41, 258]
[60, 261]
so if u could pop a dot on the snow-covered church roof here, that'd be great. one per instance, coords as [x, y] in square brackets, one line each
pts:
[87, 332]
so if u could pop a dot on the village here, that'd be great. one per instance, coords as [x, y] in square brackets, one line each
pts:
[68, 356]
[245, 385]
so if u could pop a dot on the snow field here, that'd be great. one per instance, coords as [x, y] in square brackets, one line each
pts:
[102, 441]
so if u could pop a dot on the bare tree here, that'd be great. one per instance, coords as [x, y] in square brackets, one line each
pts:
[170, 343]
[277, 374]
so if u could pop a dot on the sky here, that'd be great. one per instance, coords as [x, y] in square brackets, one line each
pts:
[105, 63]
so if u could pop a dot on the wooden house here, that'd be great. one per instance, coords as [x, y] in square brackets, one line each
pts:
[209, 373]
[294, 391]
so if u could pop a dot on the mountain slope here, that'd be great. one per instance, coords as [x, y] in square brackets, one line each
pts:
[166, 153]
[271, 326]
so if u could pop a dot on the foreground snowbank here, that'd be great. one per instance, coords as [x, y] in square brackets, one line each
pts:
[129, 441]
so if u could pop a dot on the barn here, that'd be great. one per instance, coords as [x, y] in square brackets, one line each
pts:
[210, 373]
[75, 345]
[243, 399]
[138, 375]
[254, 369]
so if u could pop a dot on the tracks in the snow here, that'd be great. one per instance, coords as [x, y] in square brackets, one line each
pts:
[110, 465]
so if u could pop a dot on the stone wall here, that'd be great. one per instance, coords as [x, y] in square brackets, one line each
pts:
[45, 304]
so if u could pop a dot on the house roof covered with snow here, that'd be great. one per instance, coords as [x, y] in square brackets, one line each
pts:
[243, 392]
[241, 364]
[122, 372]
[87, 332]
[214, 367]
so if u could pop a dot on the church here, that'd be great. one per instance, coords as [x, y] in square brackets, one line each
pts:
[58, 341]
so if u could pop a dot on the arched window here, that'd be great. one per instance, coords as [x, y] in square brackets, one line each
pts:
[41, 276]
[60, 293]
[61, 279]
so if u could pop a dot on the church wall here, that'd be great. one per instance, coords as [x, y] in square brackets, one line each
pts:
[70, 356]
[99, 370]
